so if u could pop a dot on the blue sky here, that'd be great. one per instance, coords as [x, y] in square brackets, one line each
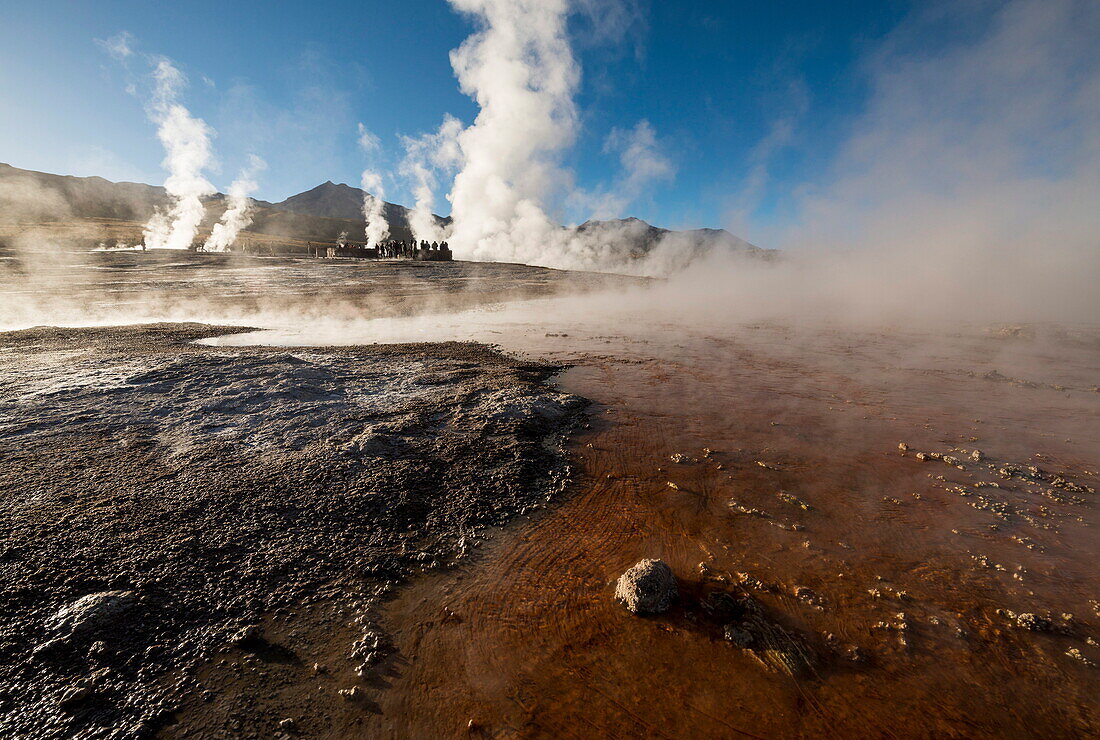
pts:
[725, 85]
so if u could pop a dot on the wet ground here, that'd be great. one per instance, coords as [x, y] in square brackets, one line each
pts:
[945, 589]
[878, 533]
[899, 575]
[78, 288]
[170, 510]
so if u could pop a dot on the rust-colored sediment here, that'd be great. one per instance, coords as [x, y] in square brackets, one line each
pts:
[526, 640]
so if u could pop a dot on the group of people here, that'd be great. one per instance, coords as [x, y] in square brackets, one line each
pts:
[402, 248]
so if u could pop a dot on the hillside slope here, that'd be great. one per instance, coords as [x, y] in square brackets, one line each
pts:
[324, 214]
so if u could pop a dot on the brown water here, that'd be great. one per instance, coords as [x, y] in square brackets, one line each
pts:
[528, 640]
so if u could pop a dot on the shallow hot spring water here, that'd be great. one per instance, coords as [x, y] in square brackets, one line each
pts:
[764, 457]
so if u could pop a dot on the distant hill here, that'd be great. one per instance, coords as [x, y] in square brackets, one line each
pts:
[327, 200]
[336, 200]
[320, 214]
[667, 250]
[26, 194]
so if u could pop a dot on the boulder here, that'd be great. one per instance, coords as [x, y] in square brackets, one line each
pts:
[647, 588]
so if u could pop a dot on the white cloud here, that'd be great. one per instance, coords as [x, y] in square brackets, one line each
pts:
[119, 46]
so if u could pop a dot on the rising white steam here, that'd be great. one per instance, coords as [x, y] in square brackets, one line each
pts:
[969, 186]
[377, 228]
[424, 156]
[520, 70]
[119, 46]
[238, 214]
[186, 141]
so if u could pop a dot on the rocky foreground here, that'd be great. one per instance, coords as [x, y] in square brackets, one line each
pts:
[167, 509]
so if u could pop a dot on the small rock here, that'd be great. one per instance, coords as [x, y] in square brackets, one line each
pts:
[807, 595]
[1033, 622]
[854, 654]
[353, 693]
[977, 456]
[738, 637]
[287, 724]
[647, 588]
[749, 510]
[245, 634]
[1077, 655]
[72, 696]
[90, 613]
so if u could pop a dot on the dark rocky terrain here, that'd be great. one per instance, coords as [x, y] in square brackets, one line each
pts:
[167, 509]
[873, 532]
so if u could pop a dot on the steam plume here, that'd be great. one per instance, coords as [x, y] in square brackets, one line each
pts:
[378, 228]
[520, 70]
[186, 141]
[425, 155]
[969, 186]
[238, 215]
[642, 164]
[119, 46]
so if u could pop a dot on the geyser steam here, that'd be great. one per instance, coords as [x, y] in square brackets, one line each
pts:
[238, 214]
[377, 228]
[968, 188]
[186, 141]
[423, 156]
[520, 70]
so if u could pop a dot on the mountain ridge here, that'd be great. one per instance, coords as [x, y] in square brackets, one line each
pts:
[322, 213]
